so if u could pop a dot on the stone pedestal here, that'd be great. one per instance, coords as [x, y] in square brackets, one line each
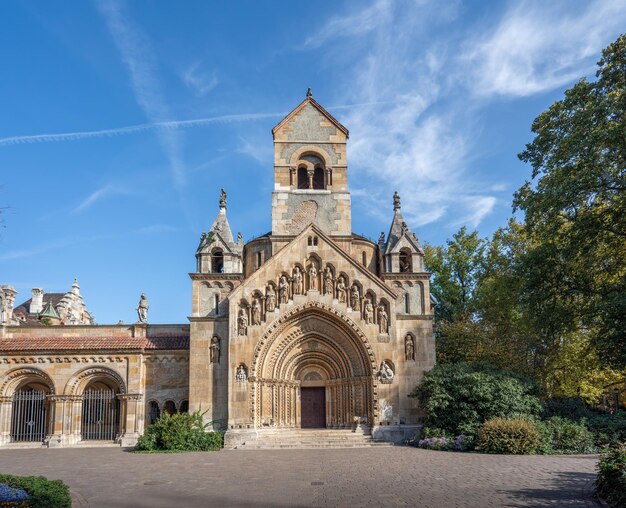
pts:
[397, 434]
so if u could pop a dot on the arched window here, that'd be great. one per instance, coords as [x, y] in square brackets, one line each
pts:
[169, 407]
[318, 178]
[407, 303]
[217, 304]
[364, 258]
[259, 259]
[217, 261]
[405, 261]
[184, 406]
[303, 178]
[153, 412]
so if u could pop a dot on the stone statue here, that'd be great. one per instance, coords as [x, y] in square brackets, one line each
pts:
[242, 323]
[256, 312]
[368, 311]
[298, 286]
[312, 277]
[396, 201]
[328, 281]
[355, 297]
[309, 93]
[222, 198]
[270, 298]
[142, 309]
[239, 238]
[404, 229]
[409, 348]
[341, 290]
[385, 373]
[381, 238]
[242, 375]
[214, 349]
[383, 319]
[283, 289]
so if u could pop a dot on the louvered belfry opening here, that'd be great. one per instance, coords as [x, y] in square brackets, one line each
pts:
[29, 415]
[101, 412]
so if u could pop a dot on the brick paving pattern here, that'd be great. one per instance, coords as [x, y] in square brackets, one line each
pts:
[387, 476]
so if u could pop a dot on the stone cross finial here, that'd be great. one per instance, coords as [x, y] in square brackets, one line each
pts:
[222, 199]
[396, 201]
[309, 93]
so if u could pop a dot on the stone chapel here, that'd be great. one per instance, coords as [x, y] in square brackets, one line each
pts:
[309, 326]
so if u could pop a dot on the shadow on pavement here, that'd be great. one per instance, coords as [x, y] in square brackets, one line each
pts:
[566, 489]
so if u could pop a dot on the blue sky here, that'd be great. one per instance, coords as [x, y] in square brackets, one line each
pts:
[121, 120]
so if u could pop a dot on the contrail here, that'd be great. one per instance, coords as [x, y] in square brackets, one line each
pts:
[132, 129]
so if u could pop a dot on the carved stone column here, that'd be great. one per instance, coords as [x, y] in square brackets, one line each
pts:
[328, 173]
[309, 173]
[131, 421]
[6, 408]
[292, 178]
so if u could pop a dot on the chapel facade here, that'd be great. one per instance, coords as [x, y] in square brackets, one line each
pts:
[307, 326]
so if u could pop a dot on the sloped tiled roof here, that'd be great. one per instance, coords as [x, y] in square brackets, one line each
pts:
[171, 342]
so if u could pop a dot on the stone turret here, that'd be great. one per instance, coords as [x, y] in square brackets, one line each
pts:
[401, 252]
[7, 299]
[36, 302]
[218, 252]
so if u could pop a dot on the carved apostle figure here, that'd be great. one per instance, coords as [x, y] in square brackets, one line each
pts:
[283, 289]
[409, 348]
[341, 289]
[215, 350]
[241, 376]
[242, 323]
[270, 298]
[355, 297]
[328, 281]
[368, 311]
[142, 309]
[383, 319]
[385, 373]
[298, 286]
[256, 312]
[312, 277]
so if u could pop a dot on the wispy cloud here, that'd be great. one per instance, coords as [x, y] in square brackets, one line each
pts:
[98, 195]
[260, 152]
[158, 229]
[60, 244]
[538, 46]
[141, 62]
[199, 80]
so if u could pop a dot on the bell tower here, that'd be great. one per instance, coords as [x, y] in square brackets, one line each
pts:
[310, 173]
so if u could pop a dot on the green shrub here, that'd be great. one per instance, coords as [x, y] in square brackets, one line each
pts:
[611, 481]
[562, 436]
[180, 432]
[608, 429]
[43, 493]
[460, 397]
[516, 437]
[572, 408]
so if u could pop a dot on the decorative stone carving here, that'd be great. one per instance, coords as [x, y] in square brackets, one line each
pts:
[396, 201]
[341, 289]
[328, 281]
[215, 349]
[385, 373]
[312, 276]
[368, 311]
[355, 297]
[383, 319]
[404, 229]
[222, 198]
[142, 310]
[298, 285]
[283, 289]
[386, 411]
[409, 348]
[270, 298]
[242, 375]
[242, 322]
[256, 312]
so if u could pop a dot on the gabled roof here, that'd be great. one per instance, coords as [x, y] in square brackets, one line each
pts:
[397, 232]
[310, 100]
[274, 263]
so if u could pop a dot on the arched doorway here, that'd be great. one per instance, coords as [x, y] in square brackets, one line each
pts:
[101, 411]
[29, 415]
[313, 369]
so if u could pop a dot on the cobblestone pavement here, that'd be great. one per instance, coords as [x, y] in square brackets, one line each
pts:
[385, 476]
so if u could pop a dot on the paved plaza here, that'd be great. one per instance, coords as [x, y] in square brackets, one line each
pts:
[385, 476]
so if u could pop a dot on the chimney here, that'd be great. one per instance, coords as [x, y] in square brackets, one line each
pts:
[36, 303]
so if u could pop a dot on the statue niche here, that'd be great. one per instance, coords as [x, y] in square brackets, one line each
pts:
[283, 289]
[312, 271]
[383, 319]
[328, 281]
[242, 322]
[368, 311]
[409, 348]
[270, 298]
[256, 312]
[341, 289]
[298, 281]
[214, 350]
[355, 297]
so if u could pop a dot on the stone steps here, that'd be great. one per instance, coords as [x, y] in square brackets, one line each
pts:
[290, 438]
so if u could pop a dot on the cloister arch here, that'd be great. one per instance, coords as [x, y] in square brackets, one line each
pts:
[312, 338]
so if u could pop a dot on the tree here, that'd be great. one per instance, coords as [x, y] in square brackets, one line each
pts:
[575, 212]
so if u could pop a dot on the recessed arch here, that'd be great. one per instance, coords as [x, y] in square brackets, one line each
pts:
[22, 376]
[79, 381]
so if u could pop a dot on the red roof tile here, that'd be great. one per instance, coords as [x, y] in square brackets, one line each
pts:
[176, 342]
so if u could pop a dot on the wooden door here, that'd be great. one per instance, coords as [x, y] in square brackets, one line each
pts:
[313, 407]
